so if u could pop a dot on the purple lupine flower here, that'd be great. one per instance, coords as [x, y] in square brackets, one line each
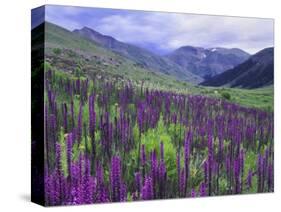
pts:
[237, 176]
[182, 182]
[74, 135]
[65, 122]
[162, 178]
[46, 135]
[260, 173]
[72, 112]
[79, 124]
[123, 192]
[53, 131]
[154, 170]
[210, 162]
[92, 116]
[92, 126]
[102, 194]
[266, 157]
[76, 193]
[186, 150]
[147, 189]
[63, 187]
[138, 182]
[140, 116]
[69, 152]
[58, 157]
[210, 150]
[135, 196]
[205, 165]
[186, 157]
[88, 183]
[58, 178]
[179, 171]
[115, 177]
[202, 190]
[241, 163]
[249, 179]
[241, 160]
[193, 193]
[80, 167]
[78, 86]
[53, 190]
[52, 101]
[74, 178]
[174, 118]
[48, 189]
[143, 156]
[270, 180]
[221, 146]
[99, 174]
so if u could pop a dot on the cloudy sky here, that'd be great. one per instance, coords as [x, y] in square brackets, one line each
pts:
[164, 32]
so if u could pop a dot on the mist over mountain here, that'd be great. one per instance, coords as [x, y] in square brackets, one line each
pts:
[209, 62]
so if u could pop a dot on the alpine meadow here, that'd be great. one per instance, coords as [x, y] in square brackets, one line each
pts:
[135, 107]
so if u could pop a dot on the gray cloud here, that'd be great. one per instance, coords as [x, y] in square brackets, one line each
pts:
[168, 31]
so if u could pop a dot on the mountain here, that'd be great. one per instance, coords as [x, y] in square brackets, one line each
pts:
[140, 56]
[207, 62]
[70, 53]
[256, 72]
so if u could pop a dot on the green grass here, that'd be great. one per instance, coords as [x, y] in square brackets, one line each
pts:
[262, 98]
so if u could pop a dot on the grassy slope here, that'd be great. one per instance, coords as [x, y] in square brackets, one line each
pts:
[96, 60]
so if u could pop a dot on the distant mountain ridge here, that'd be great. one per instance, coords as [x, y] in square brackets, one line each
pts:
[207, 62]
[187, 63]
[256, 72]
[142, 57]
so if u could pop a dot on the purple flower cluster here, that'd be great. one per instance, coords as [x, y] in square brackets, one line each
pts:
[115, 178]
[98, 147]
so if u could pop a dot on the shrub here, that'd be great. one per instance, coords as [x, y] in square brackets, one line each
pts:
[226, 95]
[57, 51]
